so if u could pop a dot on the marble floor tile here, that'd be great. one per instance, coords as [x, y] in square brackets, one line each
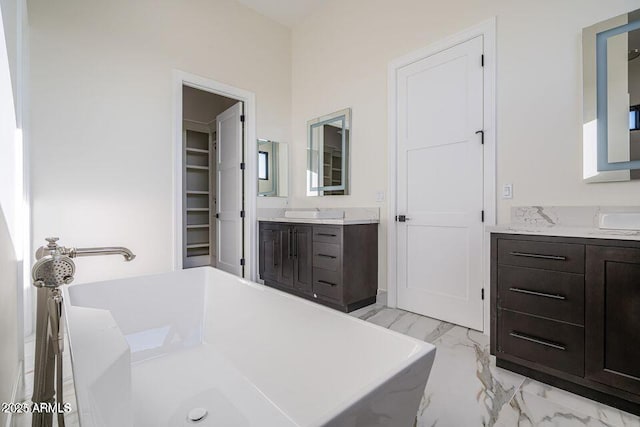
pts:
[407, 323]
[463, 374]
[588, 407]
[466, 388]
[529, 410]
[365, 312]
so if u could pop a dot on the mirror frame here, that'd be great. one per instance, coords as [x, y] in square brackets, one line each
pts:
[596, 164]
[343, 115]
[275, 171]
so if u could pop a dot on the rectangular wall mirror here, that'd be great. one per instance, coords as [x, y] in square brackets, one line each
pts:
[273, 169]
[611, 94]
[328, 154]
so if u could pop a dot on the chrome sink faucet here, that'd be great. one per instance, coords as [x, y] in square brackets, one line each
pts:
[54, 267]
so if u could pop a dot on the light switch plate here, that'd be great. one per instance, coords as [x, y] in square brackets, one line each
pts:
[507, 191]
[379, 196]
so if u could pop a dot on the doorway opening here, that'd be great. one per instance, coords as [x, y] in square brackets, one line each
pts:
[201, 112]
[213, 197]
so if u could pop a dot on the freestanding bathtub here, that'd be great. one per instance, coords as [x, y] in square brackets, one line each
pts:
[147, 351]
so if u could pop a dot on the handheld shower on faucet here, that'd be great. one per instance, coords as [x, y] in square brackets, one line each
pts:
[54, 267]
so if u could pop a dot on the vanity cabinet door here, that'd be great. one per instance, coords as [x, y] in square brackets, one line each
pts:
[303, 254]
[270, 252]
[613, 316]
[285, 277]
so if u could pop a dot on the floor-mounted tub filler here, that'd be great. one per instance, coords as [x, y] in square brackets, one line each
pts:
[203, 347]
[54, 268]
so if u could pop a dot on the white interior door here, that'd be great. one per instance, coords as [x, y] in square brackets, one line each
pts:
[440, 185]
[229, 222]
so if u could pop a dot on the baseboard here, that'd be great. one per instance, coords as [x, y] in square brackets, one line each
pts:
[16, 392]
[382, 297]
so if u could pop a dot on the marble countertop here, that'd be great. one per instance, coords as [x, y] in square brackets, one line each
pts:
[560, 231]
[341, 221]
[352, 216]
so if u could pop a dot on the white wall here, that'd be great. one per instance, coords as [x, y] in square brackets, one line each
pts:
[10, 203]
[101, 97]
[101, 103]
[9, 168]
[10, 24]
[340, 56]
[9, 351]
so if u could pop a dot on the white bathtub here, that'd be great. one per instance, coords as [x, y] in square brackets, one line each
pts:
[149, 349]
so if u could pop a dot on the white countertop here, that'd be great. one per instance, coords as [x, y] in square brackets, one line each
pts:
[341, 221]
[584, 232]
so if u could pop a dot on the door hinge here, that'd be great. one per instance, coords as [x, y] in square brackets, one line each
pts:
[242, 118]
[482, 60]
[243, 166]
[241, 261]
[241, 214]
[482, 216]
[217, 215]
[482, 293]
[401, 218]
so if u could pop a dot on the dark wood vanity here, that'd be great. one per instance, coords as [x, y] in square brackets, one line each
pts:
[566, 311]
[334, 265]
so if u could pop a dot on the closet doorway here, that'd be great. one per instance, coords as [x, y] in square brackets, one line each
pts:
[210, 184]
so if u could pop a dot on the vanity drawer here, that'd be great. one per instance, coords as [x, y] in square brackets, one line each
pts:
[326, 255]
[550, 343]
[567, 257]
[553, 294]
[326, 234]
[327, 284]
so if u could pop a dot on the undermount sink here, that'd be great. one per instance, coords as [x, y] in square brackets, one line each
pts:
[620, 221]
[324, 214]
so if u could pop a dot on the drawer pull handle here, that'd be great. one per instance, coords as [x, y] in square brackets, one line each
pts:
[327, 283]
[537, 341]
[327, 256]
[553, 257]
[538, 294]
[325, 234]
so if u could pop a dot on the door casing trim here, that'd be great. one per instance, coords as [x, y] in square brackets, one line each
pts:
[181, 78]
[487, 29]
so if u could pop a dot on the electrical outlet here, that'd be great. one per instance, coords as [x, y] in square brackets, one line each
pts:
[507, 191]
[379, 196]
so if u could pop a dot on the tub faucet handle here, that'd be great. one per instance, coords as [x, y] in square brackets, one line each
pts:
[50, 249]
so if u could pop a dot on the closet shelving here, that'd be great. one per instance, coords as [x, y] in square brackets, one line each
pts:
[332, 169]
[197, 198]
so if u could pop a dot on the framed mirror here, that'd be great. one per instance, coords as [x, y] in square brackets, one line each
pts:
[611, 97]
[328, 139]
[273, 171]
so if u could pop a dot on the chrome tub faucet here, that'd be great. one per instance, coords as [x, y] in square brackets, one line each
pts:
[54, 267]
